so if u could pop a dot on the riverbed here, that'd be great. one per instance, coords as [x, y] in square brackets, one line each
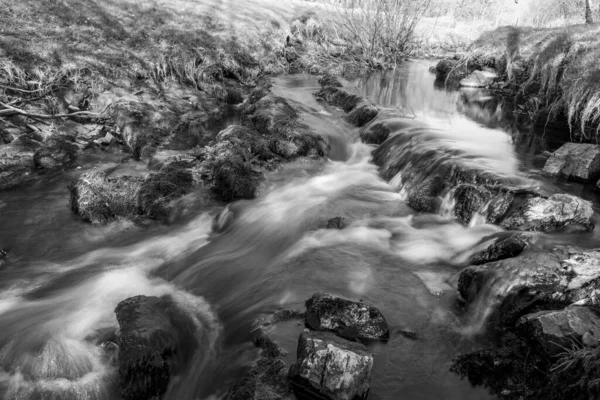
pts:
[228, 265]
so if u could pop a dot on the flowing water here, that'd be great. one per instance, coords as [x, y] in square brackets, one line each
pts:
[229, 265]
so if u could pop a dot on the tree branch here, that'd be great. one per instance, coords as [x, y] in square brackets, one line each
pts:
[10, 110]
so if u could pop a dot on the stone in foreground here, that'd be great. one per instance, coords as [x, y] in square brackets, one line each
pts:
[329, 367]
[151, 331]
[346, 318]
[577, 161]
[556, 331]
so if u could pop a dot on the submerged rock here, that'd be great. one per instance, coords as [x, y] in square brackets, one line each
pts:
[336, 223]
[330, 367]
[379, 131]
[505, 248]
[349, 319]
[558, 330]
[577, 161]
[469, 200]
[338, 97]
[267, 379]
[479, 79]
[362, 115]
[424, 197]
[151, 332]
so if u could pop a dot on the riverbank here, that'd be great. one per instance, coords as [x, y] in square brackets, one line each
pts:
[551, 74]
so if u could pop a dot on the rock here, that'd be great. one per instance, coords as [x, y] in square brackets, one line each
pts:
[590, 340]
[234, 96]
[424, 197]
[505, 248]
[444, 67]
[565, 275]
[346, 318]
[275, 119]
[479, 79]
[556, 331]
[151, 332]
[335, 223]
[267, 379]
[577, 161]
[338, 97]
[546, 215]
[362, 115]
[330, 367]
[58, 152]
[379, 131]
[28, 142]
[225, 170]
[329, 80]
[158, 190]
[16, 166]
[469, 200]
[98, 199]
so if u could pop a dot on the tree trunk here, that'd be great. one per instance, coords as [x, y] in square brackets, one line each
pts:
[588, 13]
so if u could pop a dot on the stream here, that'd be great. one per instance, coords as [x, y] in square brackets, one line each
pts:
[226, 266]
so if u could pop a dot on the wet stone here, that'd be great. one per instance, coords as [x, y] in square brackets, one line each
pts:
[329, 367]
[346, 318]
[577, 161]
[502, 249]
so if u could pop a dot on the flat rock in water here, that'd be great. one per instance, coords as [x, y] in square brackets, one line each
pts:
[151, 331]
[556, 331]
[329, 367]
[577, 161]
[565, 275]
[346, 318]
[479, 79]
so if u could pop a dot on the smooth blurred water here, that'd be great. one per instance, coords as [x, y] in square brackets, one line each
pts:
[65, 279]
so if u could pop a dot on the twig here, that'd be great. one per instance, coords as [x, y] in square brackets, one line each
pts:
[13, 110]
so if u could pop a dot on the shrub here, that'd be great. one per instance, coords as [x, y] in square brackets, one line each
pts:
[382, 28]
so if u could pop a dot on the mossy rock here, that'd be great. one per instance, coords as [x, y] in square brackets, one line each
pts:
[98, 199]
[158, 190]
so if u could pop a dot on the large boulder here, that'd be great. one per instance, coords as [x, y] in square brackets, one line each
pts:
[346, 318]
[577, 161]
[152, 330]
[558, 330]
[479, 79]
[329, 367]
[98, 199]
[565, 275]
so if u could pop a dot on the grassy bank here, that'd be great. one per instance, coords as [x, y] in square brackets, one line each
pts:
[553, 72]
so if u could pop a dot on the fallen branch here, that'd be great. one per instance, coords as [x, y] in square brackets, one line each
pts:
[10, 110]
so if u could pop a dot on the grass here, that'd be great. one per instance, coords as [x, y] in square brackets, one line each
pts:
[192, 41]
[556, 69]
